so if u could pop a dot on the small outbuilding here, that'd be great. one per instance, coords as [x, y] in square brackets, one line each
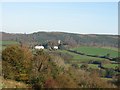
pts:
[39, 47]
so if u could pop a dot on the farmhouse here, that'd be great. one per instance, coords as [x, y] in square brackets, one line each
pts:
[55, 47]
[39, 47]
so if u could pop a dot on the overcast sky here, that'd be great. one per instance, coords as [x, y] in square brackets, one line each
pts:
[76, 17]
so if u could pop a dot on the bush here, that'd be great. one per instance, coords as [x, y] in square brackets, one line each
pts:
[16, 60]
[43, 69]
[84, 66]
[8, 71]
[65, 81]
[92, 80]
[110, 72]
[51, 83]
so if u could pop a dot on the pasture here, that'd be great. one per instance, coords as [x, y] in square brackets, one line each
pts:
[97, 51]
[110, 65]
[8, 42]
[3, 44]
[81, 58]
[93, 66]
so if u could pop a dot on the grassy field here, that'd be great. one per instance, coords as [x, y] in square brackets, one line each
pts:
[110, 65]
[97, 51]
[111, 48]
[8, 42]
[94, 66]
[81, 58]
[3, 44]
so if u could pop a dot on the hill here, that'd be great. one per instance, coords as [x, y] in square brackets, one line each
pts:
[67, 38]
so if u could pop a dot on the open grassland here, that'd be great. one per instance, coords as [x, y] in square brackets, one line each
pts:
[8, 42]
[111, 48]
[3, 44]
[110, 65]
[94, 66]
[80, 58]
[97, 51]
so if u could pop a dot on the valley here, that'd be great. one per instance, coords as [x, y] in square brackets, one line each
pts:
[100, 58]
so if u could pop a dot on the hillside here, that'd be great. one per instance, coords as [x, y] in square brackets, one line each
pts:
[53, 69]
[8, 83]
[27, 67]
[67, 38]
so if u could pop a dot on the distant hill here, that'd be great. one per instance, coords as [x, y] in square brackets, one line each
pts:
[67, 38]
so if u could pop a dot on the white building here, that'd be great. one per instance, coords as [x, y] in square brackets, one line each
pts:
[59, 41]
[55, 47]
[39, 47]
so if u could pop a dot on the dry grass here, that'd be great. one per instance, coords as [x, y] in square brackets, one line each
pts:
[6, 83]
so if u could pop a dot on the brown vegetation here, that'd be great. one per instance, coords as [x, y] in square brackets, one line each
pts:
[16, 62]
[43, 70]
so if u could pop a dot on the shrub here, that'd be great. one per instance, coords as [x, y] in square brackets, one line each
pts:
[84, 66]
[51, 83]
[65, 81]
[92, 80]
[43, 69]
[18, 60]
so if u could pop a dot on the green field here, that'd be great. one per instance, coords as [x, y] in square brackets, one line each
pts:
[3, 44]
[111, 48]
[97, 51]
[8, 42]
[81, 58]
[94, 66]
[110, 65]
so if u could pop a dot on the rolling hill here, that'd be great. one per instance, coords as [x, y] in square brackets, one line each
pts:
[68, 38]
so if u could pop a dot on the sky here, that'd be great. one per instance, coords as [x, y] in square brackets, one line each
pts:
[73, 17]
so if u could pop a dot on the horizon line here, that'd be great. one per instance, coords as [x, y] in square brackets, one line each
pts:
[59, 32]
